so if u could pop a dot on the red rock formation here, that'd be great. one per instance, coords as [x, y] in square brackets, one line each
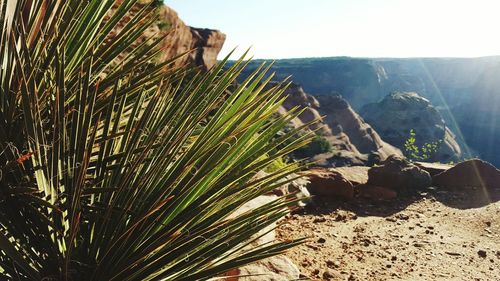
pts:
[181, 38]
[202, 44]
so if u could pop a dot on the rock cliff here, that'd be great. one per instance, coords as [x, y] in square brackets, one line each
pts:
[398, 113]
[464, 90]
[200, 45]
[181, 38]
[354, 142]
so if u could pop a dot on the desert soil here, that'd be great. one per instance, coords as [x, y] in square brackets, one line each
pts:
[430, 236]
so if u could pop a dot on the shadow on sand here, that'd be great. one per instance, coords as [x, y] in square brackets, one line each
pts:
[469, 199]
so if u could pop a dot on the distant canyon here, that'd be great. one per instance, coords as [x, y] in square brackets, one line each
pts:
[463, 92]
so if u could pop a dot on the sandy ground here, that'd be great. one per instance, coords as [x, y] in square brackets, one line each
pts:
[430, 236]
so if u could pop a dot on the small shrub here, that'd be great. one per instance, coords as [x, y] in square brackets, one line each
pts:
[415, 153]
[317, 146]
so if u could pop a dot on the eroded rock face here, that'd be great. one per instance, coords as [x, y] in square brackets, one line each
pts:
[354, 142]
[398, 113]
[202, 44]
[339, 114]
[469, 174]
[181, 38]
[399, 175]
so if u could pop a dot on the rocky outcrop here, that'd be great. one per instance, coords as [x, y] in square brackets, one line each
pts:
[339, 115]
[354, 142]
[399, 175]
[200, 46]
[205, 43]
[469, 174]
[399, 113]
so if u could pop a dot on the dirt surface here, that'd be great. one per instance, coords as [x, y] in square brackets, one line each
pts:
[430, 236]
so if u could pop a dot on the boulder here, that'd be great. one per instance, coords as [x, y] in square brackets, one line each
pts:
[274, 268]
[399, 175]
[433, 168]
[297, 186]
[374, 192]
[355, 174]
[278, 268]
[268, 233]
[329, 184]
[473, 173]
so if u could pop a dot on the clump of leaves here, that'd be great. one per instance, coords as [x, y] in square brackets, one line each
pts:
[317, 146]
[110, 167]
[423, 153]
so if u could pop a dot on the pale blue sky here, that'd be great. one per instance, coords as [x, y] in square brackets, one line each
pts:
[360, 28]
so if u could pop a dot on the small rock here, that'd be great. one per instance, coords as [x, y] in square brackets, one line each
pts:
[481, 253]
[352, 278]
[330, 275]
[312, 247]
[332, 264]
[321, 240]
[319, 219]
[403, 217]
[340, 217]
[394, 258]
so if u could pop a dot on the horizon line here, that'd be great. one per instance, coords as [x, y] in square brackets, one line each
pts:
[375, 57]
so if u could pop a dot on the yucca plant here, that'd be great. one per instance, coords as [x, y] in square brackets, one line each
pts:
[117, 167]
